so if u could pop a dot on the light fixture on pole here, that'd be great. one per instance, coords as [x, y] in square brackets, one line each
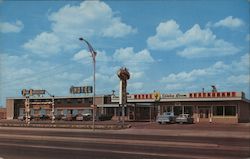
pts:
[93, 55]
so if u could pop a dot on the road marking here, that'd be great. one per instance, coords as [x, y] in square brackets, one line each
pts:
[110, 141]
[114, 151]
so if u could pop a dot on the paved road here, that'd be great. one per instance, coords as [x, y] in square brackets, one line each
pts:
[29, 143]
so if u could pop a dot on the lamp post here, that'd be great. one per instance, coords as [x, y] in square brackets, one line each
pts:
[93, 55]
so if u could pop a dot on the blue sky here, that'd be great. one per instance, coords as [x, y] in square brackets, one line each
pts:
[170, 46]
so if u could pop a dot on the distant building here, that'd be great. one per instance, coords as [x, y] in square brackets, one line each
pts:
[218, 107]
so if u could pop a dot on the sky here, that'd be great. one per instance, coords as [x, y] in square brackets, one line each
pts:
[171, 46]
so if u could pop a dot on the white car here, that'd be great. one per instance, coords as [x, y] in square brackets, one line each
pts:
[167, 117]
[184, 118]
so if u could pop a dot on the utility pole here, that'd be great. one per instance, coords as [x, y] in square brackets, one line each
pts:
[27, 110]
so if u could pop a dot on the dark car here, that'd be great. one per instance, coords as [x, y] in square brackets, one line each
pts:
[60, 117]
[44, 117]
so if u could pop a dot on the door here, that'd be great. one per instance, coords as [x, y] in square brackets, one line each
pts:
[204, 113]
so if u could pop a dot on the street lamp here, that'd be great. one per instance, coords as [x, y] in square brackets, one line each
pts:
[93, 55]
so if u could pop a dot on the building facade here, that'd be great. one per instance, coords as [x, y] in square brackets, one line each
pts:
[2, 113]
[216, 107]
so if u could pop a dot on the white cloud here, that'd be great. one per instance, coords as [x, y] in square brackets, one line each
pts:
[239, 79]
[6, 27]
[229, 22]
[118, 29]
[44, 44]
[107, 67]
[136, 62]
[185, 76]
[243, 64]
[84, 57]
[136, 75]
[128, 55]
[166, 35]
[174, 87]
[19, 72]
[227, 76]
[248, 37]
[90, 18]
[194, 43]
[135, 85]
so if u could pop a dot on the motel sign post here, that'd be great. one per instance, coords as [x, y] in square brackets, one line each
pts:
[124, 75]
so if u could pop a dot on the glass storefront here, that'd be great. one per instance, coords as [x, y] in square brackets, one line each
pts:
[224, 110]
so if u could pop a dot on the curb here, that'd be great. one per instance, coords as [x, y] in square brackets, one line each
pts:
[74, 126]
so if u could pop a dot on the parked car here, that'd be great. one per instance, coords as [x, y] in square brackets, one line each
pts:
[60, 117]
[184, 118]
[87, 116]
[167, 117]
[69, 117]
[79, 117]
[104, 117]
[23, 117]
[44, 117]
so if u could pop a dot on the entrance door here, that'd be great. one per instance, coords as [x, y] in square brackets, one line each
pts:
[142, 113]
[204, 114]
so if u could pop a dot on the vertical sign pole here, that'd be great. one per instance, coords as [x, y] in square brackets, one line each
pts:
[120, 99]
[27, 110]
[53, 109]
[123, 75]
[94, 111]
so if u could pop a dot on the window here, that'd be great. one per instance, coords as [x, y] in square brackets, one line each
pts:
[79, 100]
[230, 110]
[58, 101]
[167, 108]
[188, 110]
[21, 111]
[218, 111]
[36, 112]
[177, 110]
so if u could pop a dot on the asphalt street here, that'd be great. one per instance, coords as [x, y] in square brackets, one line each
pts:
[30, 143]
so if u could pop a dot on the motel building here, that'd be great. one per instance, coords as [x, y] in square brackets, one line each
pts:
[204, 107]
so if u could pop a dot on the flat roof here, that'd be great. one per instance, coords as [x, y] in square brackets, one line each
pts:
[58, 97]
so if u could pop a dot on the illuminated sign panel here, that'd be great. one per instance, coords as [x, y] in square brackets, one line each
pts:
[170, 96]
[32, 92]
[151, 97]
[214, 94]
[78, 90]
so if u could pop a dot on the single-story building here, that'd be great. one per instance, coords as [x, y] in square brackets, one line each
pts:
[218, 107]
